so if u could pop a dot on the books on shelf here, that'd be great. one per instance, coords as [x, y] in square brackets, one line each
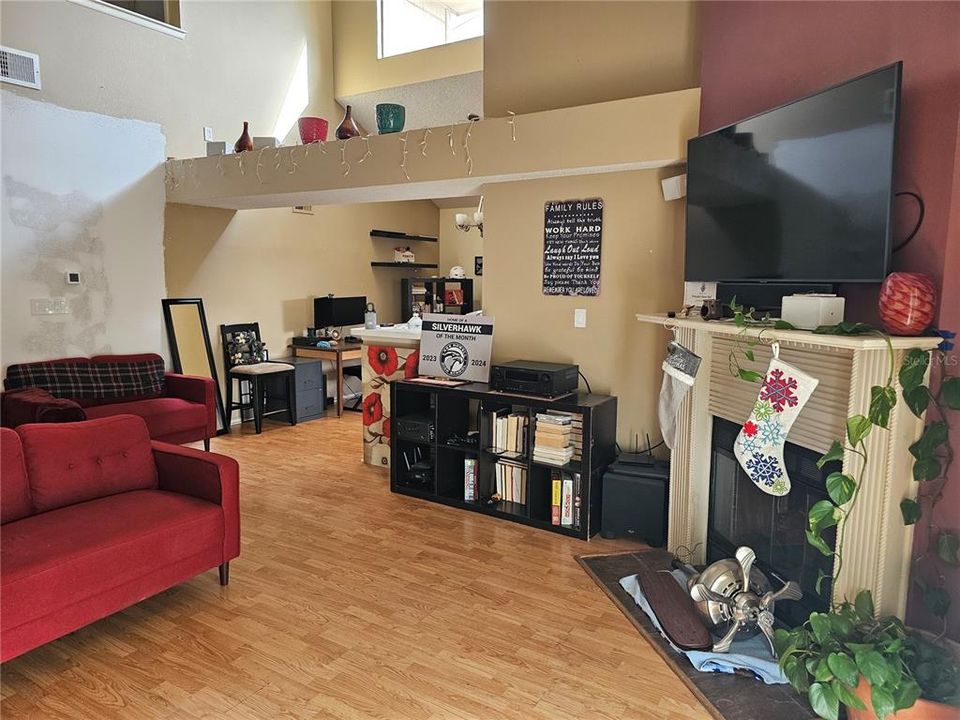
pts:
[470, 479]
[565, 499]
[511, 481]
[558, 437]
[509, 432]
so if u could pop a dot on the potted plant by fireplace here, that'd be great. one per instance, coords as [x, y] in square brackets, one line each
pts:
[875, 667]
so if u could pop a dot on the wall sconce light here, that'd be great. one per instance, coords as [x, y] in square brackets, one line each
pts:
[468, 221]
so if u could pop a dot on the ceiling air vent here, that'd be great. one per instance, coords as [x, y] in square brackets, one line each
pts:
[19, 67]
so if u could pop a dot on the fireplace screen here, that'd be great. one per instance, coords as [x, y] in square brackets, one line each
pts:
[741, 514]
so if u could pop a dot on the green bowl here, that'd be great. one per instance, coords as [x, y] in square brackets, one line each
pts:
[390, 117]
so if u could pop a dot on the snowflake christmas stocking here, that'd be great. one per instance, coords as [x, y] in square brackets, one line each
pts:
[759, 446]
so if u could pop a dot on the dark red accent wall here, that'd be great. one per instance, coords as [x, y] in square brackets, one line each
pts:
[757, 55]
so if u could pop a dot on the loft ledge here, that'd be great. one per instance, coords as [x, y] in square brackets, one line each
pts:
[633, 134]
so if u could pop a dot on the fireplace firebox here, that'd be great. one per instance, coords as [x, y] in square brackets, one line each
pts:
[741, 514]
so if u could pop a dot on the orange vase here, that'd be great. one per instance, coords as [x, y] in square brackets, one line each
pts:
[908, 302]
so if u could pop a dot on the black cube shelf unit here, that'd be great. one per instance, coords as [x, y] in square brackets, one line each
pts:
[455, 411]
[414, 290]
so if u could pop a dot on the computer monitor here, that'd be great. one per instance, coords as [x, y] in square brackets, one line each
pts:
[332, 311]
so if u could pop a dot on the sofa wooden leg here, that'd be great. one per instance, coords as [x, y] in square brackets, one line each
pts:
[224, 573]
[206, 444]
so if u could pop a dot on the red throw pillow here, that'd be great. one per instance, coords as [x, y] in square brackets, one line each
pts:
[72, 462]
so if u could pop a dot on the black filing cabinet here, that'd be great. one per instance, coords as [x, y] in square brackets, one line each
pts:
[310, 388]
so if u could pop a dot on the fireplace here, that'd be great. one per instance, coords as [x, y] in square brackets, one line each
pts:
[741, 514]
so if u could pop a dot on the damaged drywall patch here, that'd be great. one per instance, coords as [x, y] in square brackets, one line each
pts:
[80, 192]
[65, 237]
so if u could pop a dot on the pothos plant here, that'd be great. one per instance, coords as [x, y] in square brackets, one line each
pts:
[933, 457]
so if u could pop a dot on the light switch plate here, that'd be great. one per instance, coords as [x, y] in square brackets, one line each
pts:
[208, 133]
[49, 306]
[580, 318]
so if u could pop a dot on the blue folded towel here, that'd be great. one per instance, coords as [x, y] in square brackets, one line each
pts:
[752, 654]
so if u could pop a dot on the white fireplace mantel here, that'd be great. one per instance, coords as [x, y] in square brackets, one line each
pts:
[877, 545]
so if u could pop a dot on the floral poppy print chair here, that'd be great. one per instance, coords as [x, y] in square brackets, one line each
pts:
[382, 364]
[246, 361]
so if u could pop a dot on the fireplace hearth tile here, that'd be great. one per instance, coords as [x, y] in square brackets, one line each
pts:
[726, 697]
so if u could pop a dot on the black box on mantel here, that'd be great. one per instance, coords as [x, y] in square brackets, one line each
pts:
[635, 501]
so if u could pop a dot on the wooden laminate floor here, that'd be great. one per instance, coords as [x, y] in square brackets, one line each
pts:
[350, 602]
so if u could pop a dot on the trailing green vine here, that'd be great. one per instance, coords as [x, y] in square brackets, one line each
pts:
[933, 456]
[842, 488]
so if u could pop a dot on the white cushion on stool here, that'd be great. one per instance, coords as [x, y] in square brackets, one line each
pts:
[264, 368]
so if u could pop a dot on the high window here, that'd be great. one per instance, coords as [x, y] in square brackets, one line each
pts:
[410, 25]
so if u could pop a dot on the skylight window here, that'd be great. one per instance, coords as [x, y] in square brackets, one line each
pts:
[411, 25]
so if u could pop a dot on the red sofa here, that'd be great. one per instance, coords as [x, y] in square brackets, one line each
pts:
[96, 517]
[177, 408]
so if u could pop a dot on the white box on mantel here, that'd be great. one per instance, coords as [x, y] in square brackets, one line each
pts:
[808, 312]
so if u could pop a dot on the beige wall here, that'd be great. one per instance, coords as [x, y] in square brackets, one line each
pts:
[460, 248]
[641, 271]
[357, 68]
[235, 63]
[266, 266]
[545, 55]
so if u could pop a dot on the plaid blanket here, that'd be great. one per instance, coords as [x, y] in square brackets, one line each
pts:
[102, 380]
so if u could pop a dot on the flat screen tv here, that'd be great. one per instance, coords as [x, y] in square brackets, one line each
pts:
[801, 193]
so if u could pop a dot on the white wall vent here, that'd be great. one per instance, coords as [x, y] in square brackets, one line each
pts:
[19, 67]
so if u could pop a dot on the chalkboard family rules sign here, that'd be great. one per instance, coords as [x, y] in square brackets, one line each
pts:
[571, 246]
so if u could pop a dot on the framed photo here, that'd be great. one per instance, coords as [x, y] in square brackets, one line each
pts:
[478, 265]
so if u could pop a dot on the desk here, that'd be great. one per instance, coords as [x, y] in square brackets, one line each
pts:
[337, 355]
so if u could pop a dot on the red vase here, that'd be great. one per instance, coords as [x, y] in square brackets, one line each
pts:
[312, 129]
[244, 142]
[908, 302]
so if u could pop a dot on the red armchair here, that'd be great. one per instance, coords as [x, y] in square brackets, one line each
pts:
[180, 409]
[96, 517]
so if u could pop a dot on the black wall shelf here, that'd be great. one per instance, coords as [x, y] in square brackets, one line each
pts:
[403, 265]
[390, 234]
[457, 410]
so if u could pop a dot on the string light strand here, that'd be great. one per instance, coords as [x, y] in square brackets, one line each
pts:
[423, 142]
[466, 149]
[369, 152]
[513, 125]
[403, 162]
[343, 158]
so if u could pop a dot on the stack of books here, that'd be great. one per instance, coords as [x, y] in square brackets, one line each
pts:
[511, 480]
[553, 442]
[565, 499]
[509, 433]
[470, 479]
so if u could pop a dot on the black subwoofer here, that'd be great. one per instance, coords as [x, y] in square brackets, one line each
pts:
[635, 501]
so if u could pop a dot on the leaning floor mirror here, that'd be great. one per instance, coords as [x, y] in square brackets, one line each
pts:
[190, 344]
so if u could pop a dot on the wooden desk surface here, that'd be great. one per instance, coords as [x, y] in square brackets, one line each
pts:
[345, 352]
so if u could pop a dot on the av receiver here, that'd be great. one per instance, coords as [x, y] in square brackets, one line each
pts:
[535, 378]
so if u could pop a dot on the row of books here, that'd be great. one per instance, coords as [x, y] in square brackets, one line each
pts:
[565, 499]
[509, 432]
[511, 481]
[558, 437]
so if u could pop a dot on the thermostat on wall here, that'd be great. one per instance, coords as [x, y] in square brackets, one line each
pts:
[72, 277]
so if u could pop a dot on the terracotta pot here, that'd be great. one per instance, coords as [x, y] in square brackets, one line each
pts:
[920, 710]
[312, 129]
[908, 303]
